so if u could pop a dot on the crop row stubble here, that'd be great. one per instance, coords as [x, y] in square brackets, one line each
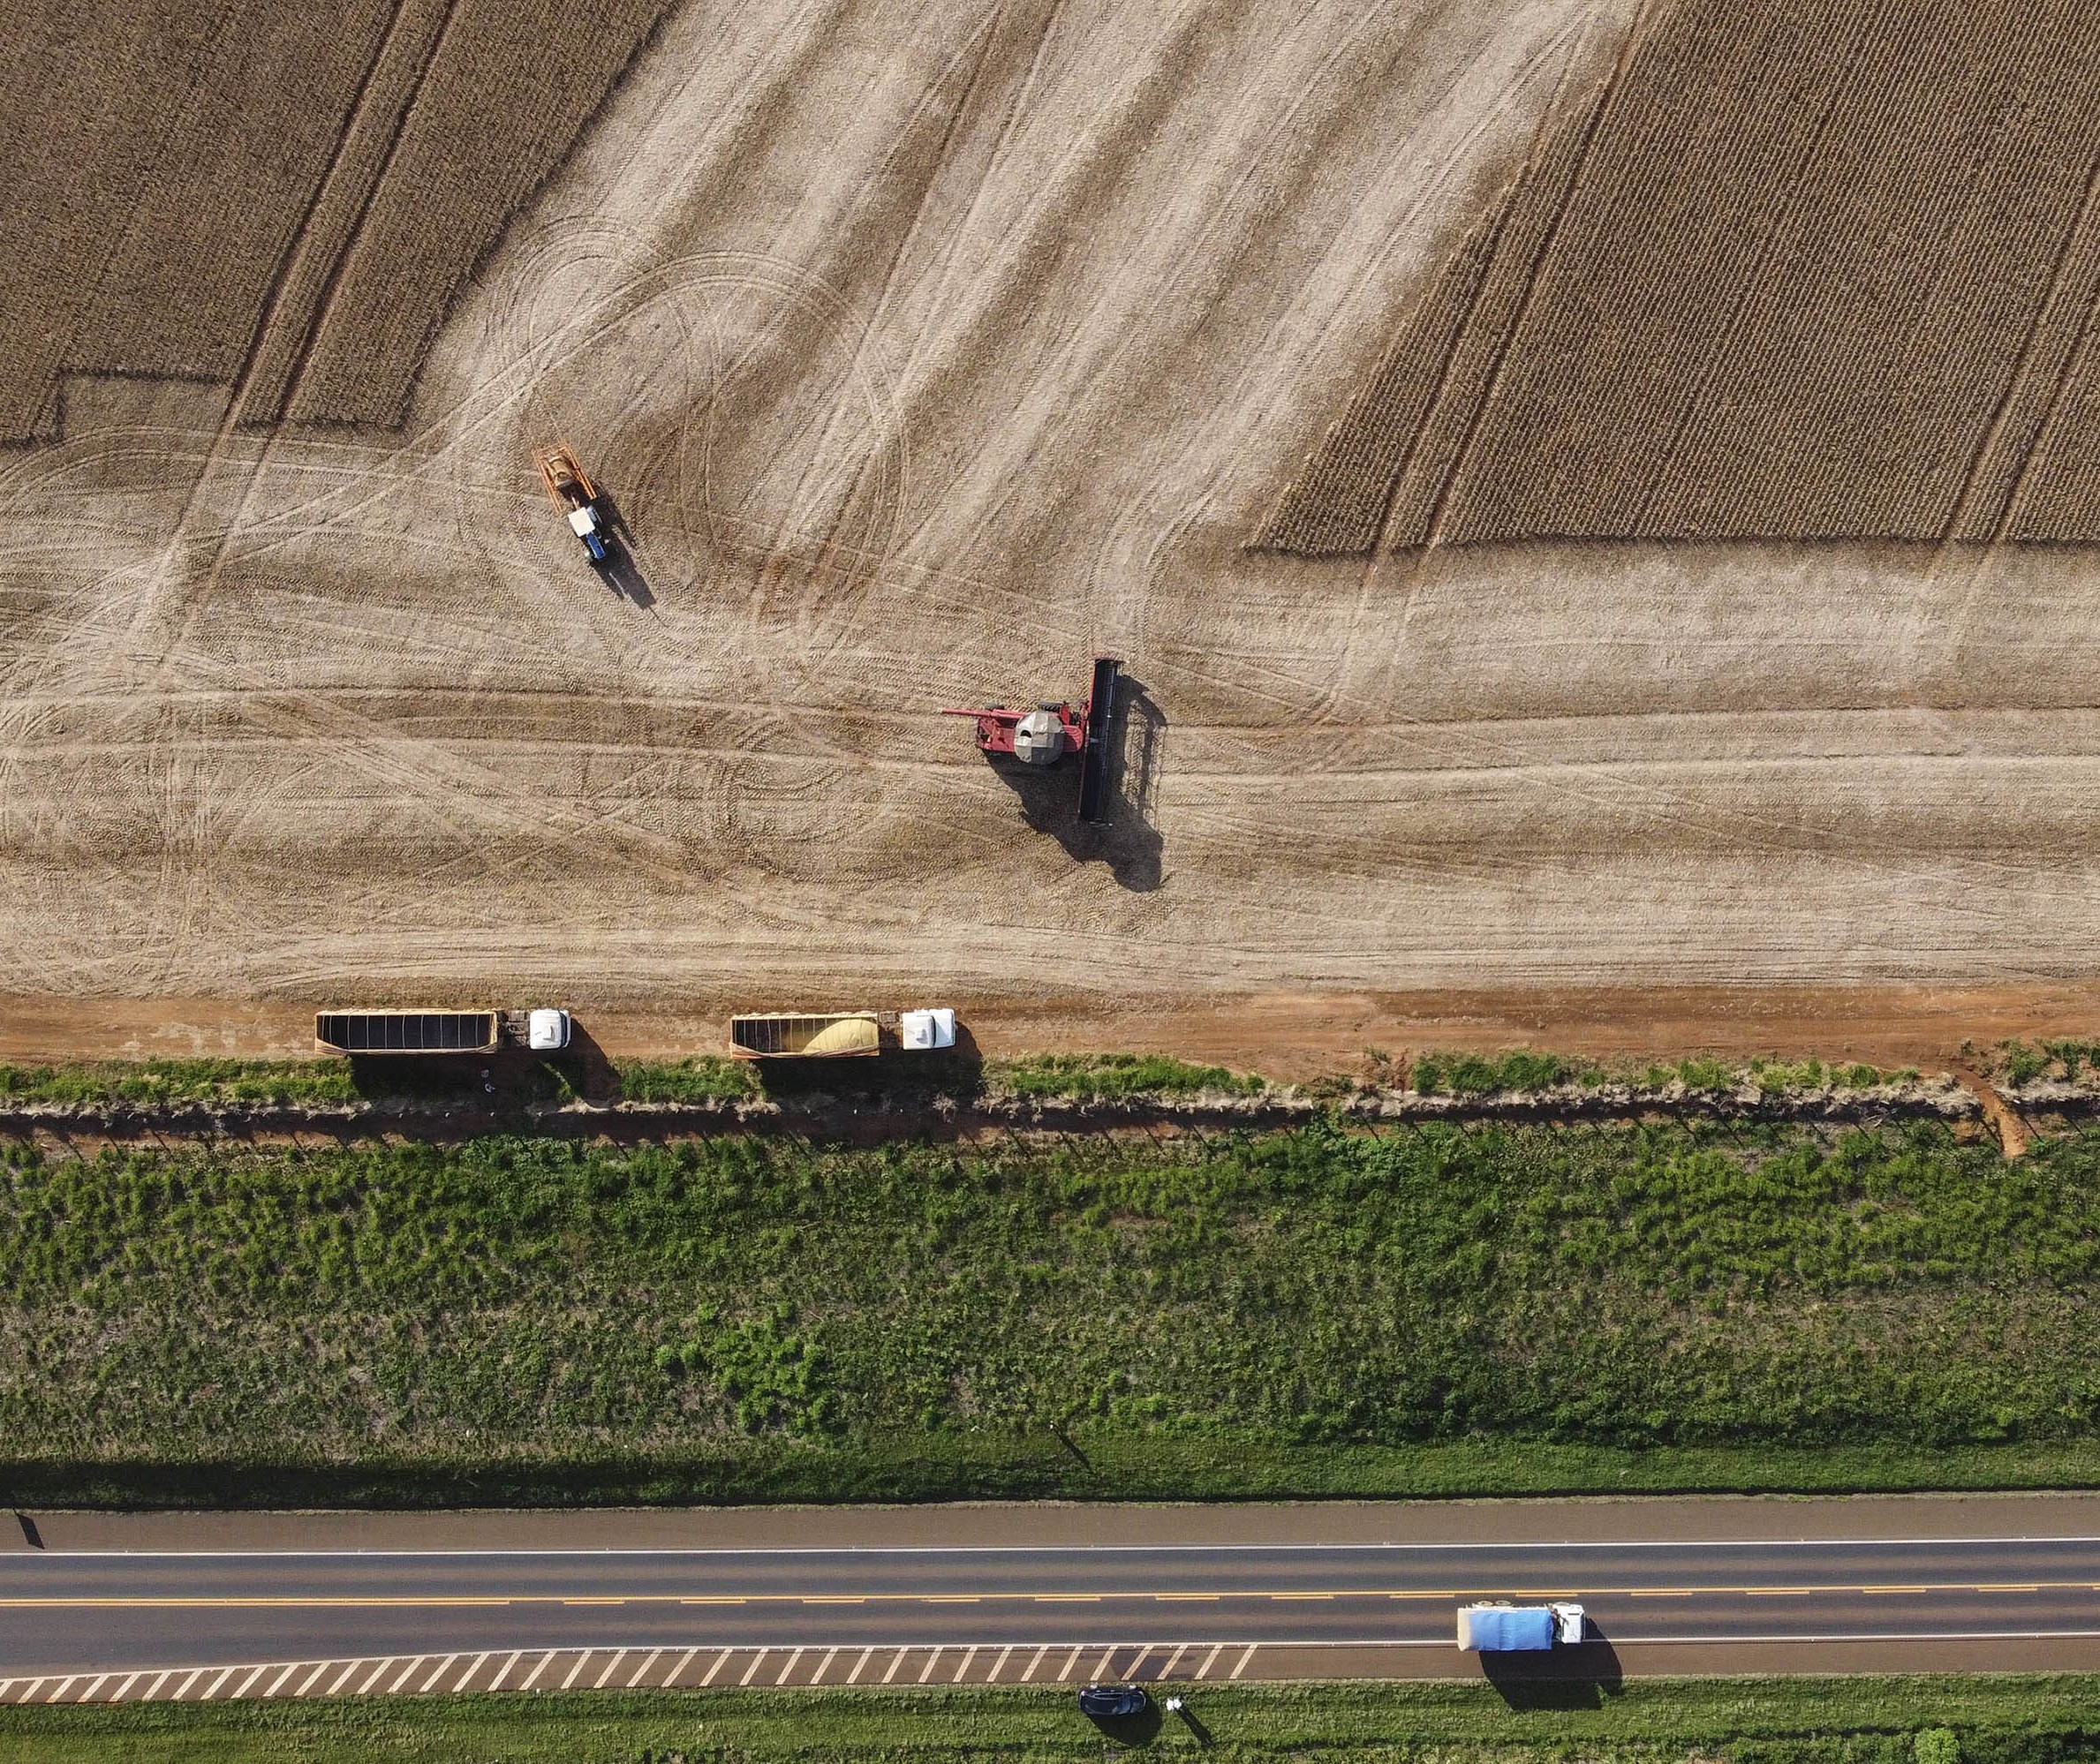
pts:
[263, 190]
[1826, 271]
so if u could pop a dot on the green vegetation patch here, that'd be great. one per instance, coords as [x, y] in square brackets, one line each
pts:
[1479, 1075]
[705, 1079]
[1108, 1076]
[161, 1082]
[1313, 1310]
[1913, 1720]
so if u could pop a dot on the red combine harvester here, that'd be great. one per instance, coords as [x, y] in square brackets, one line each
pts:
[1045, 735]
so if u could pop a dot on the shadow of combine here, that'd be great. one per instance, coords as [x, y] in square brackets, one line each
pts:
[1579, 1676]
[1126, 838]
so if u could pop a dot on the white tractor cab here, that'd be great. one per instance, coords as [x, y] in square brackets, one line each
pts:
[923, 1029]
[547, 1031]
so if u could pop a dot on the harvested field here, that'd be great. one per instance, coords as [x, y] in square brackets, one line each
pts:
[926, 353]
[1822, 276]
[203, 185]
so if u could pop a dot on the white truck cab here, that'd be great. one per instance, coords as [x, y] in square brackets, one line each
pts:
[547, 1031]
[927, 1029]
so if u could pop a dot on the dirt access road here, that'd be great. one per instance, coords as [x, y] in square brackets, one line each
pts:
[928, 351]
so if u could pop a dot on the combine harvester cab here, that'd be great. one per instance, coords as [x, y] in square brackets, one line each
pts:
[1042, 737]
[570, 490]
[1518, 1629]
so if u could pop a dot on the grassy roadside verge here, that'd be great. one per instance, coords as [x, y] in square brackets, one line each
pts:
[1893, 1719]
[1432, 1311]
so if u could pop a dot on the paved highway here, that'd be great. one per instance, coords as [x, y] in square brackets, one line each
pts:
[1987, 1593]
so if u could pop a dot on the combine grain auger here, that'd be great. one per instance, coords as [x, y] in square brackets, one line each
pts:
[572, 491]
[1043, 737]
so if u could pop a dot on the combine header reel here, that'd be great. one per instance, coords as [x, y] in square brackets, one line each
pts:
[1042, 737]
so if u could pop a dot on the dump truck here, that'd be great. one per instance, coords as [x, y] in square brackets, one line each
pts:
[827, 1035]
[1518, 1629]
[467, 1031]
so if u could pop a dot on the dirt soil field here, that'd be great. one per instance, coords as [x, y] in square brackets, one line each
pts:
[926, 352]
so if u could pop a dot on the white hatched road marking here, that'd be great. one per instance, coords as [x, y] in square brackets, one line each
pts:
[395, 1674]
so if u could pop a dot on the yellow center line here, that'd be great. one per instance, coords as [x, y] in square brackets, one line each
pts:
[470, 1601]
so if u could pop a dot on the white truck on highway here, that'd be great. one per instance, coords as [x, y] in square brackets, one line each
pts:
[1518, 1629]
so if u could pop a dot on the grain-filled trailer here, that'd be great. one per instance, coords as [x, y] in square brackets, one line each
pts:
[408, 1031]
[788, 1034]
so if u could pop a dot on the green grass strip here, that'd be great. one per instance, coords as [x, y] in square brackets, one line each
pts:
[1878, 1720]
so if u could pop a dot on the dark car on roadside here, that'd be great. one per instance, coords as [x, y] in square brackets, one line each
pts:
[1113, 1701]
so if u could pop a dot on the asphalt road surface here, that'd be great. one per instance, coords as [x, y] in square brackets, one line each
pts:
[1958, 1589]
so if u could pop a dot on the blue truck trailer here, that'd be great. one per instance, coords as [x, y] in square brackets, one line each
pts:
[1518, 1629]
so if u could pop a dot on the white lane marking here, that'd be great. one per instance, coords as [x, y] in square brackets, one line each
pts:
[896, 1660]
[407, 1672]
[277, 1683]
[364, 1689]
[545, 1659]
[721, 1660]
[467, 1676]
[248, 1684]
[87, 1695]
[1101, 1670]
[789, 1668]
[823, 1666]
[183, 1689]
[1244, 1658]
[678, 1671]
[308, 1684]
[999, 1665]
[1073, 1661]
[926, 1672]
[642, 1671]
[965, 1667]
[860, 1665]
[578, 1667]
[219, 1684]
[117, 1696]
[436, 1672]
[1174, 1659]
[751, 1670]
[496, 1683]
[611, 1666]
[1032, 1664]
[153, 1689]
[1525, 1544]
[58, 1695]
[1210, 1660]
[1875, 1635]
